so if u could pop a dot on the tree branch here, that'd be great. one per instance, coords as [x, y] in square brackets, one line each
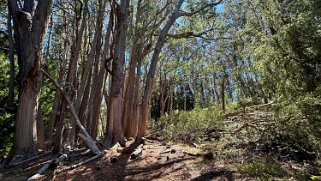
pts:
[183, 13]
[189, 34]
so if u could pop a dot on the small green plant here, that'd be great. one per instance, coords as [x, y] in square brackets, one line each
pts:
[317, 176]
[261, 169]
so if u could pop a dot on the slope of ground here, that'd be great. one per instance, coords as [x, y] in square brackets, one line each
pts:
[231, 157]
[158, 161]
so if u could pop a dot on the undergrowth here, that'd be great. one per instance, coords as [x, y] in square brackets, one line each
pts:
[297, 128]
[191, 126]
[261, 169]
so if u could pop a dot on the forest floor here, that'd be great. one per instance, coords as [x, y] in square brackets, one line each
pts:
[158, 161]
[227, 158]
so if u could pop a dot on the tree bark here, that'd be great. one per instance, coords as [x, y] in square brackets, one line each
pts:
[70, 81]
[223, 92]
[99, 81]
[217, 97]
[85, 136]
[152, 70]
[136, 55]
[10, 102]
[58, 97]
[115, 129]
[30, 26]
[40, 130]
[99, 75]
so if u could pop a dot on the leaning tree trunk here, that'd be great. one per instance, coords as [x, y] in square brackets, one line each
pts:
[30, 28]
[152, 71]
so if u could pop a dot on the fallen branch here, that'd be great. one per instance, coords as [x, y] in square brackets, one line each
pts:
[27, 160]
[137, 152]
[84, 162]
[245, 125]
[169, 151]
[51, 164]
[86, 137]
[90, 144]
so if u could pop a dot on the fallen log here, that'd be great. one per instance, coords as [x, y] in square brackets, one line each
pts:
[51, 164]
[85, 137]
[137, 152]
[90, 144]
[84, 162]
[30, 159]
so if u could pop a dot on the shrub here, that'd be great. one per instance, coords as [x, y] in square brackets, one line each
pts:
[6, 133]
[191, 125]
[297, 128]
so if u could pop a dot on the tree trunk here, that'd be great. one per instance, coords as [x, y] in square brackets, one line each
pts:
[152, 71]
[10, 102]
[217, 97]
[116, 93]
[99, 74]
[223, 92]
[99, 81]
[70, 81]
[40, 130]
[203, 95]
[58, 97]
[136, 55]
[30, 28]
[84, 135]
[136, 113]
[161, 95]
[73, 66]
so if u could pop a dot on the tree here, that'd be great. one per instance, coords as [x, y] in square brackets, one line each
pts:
[30, 25]
[115, 128]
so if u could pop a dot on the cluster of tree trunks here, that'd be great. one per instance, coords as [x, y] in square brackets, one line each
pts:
[86, 63]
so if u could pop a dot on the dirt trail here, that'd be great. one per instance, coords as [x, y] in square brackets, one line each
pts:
[158, 161]
[234, 157]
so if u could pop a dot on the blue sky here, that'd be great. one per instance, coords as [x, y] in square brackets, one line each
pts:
[220, 8]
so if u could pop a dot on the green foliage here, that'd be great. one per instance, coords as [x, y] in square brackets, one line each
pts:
[297, 128]
[316, 177]
[6, 118]
[261, 169]
[191, 126]
[6, 133]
